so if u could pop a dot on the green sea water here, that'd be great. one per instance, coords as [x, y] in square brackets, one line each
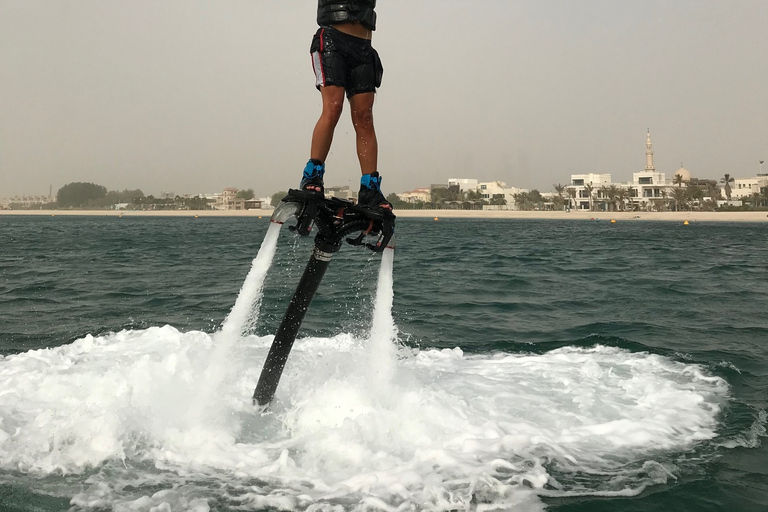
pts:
[692, 297]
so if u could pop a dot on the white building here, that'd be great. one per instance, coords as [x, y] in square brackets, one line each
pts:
[228, 200]
[744, 187]
[583, 182]
[342, 192]
[414, 196]
[647, 190]
[26, 201]
[491, 190]
[463, 183]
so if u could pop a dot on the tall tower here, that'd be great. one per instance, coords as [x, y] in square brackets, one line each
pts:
[649, 154]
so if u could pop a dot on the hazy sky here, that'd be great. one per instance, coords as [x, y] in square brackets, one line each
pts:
[192, 96]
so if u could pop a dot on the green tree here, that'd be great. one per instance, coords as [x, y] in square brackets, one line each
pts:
[678, 180]
[442, 195]
[536, 198]
[755, 199]
[79, 194]
[473, 195]
[714, 191]
[114, 197]
[695, 195]
[398, 203]
[245, 194]
[498, 200]
[522, 201]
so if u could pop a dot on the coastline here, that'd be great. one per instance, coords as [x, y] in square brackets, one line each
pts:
[440, 214]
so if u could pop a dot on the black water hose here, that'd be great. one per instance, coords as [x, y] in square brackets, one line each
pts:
[289, 327]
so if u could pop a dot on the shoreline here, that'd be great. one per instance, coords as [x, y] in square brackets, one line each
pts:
[439, 214]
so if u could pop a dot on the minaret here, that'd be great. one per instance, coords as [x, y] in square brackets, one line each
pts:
[649, 154]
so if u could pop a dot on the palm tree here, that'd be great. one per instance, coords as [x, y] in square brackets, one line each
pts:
[473, 195]
[605, 191]
[613, 193]
[727, 179]
[696, 194]
[714, 191]
[572, 193]
[631, 194]
[559, 189]
[678, 180]
[679, 198]
[664, 196]
[621, 195]
[522, 200]
[589, 188]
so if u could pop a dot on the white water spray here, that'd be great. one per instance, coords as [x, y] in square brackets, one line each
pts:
[245, 310]
[207, 403]
[382, 348]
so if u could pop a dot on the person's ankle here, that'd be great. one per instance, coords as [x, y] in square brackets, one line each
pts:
[371, 181]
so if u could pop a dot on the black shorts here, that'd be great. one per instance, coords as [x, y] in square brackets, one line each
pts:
[345, 60]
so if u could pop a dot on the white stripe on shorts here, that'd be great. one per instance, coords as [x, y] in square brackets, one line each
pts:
[317, 64]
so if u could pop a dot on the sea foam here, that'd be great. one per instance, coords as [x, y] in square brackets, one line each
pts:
[448, 430]
[159, 419]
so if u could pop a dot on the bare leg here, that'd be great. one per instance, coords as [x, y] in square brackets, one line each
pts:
[333, 103]
[362, 119]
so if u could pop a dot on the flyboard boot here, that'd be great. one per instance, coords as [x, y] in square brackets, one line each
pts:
[336, 220]
[312, 189]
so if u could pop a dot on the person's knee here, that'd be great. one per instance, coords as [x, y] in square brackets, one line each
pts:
[332, 109]
[362, 118]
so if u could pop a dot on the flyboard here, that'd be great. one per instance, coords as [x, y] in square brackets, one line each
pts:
[336, 220]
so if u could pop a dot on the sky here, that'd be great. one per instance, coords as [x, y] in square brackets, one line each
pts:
[191, 96]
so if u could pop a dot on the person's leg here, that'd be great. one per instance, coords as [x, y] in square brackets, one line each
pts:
[367, 151]
[361, 106]
[322, 137]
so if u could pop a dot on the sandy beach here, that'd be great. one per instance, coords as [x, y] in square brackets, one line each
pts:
[439, 214]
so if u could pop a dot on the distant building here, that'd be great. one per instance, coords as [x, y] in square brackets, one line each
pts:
[252, 204]
[228, 200]
[464, 184]
[647, 190]
[342, 192]
[745, 187]
[414, 196]
[493, 191]
[582, 184]
[25, 201]
[594, 179]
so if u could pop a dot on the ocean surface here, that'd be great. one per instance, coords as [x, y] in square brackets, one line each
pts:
[493, 365]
